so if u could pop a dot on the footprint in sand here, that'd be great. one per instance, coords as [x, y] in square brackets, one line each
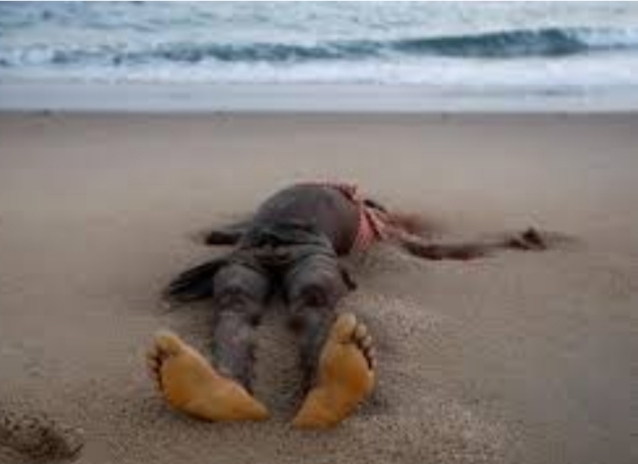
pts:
[38, 436]
[345, 375]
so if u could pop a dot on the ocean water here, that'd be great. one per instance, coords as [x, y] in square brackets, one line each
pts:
[518, 51]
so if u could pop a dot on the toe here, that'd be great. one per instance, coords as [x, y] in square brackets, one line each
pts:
[371, 356]
[360, 332]
[344, 328]
[153, 367]
[167, 343]
[153, 361]
[366, 342]
[153, 357]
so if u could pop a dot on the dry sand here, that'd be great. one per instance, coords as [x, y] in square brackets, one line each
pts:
[521, 357]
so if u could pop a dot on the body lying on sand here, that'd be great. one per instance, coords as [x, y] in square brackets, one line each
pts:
[292, 244]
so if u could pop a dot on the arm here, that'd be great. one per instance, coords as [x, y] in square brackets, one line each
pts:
[225, 235]
[529, 240]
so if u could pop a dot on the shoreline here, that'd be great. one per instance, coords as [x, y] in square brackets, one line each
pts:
[135, 97]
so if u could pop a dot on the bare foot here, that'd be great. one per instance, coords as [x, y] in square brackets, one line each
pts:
[190, 384]
[345, 375]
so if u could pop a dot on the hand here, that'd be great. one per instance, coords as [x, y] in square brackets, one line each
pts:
[529, 239]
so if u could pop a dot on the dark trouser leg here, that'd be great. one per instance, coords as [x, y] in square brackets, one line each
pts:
[240, 294]
[313, 288]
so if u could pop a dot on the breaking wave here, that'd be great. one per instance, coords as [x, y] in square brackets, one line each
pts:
[521, 43]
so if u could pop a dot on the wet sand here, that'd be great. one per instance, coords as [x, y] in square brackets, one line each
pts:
[520, 357]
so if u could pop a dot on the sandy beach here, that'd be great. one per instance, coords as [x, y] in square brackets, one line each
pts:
[519, 357]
